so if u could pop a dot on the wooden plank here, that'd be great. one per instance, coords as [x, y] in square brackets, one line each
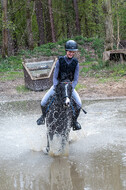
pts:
[38, 68]
[38, 63]
[118, 51]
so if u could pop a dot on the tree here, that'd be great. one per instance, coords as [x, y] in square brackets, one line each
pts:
[119, 17]
[78, 29]
[47, 26]
[108, 25]
[45, 21]
[4, 28]
[12, 18]
[29, 25]
[70, 18]
[51, 20]
[40, 21]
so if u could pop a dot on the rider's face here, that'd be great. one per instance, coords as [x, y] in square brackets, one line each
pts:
[70, 54]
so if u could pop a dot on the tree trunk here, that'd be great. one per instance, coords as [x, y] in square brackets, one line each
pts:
[118, 36]
[78, 28]
[39, 15]
[29, 25]
[67, 15]
[86, 26]
[51, 20]
[95, 13]
[108, 25]
[4, 29]
[47, 26]
[14, 36]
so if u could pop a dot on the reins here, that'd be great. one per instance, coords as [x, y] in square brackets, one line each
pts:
[79, 106]
[66, 82]
[50, 103]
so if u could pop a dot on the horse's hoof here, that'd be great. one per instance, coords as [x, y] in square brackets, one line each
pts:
[41, 120]
[46, 150]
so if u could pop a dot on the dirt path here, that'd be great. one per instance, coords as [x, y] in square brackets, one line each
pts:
[90, 89]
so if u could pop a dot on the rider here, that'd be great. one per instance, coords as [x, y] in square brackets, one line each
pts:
[67, 67]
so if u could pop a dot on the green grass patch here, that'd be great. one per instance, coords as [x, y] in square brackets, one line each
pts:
[109, 79]
[22, 89]
[80, 86]
[10, 64]
[12, 75]
[85, 70]
[98, 46]
[87, 63]
[103, 69]
[104, 80]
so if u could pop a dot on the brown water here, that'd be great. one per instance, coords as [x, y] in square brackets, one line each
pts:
[97, 158]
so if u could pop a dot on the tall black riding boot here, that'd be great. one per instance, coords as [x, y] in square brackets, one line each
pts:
[41, 120]
[76, 125]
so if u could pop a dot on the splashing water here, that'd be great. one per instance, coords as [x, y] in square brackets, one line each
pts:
[97, 153]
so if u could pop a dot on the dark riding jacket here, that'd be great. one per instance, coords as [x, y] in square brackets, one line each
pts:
[66, 69]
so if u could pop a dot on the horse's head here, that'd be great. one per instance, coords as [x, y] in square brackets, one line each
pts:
[64, 92]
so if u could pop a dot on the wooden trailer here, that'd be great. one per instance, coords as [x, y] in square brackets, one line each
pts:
[115, 55]
[38, 74]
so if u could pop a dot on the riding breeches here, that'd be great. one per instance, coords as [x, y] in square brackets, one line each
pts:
[51, 91]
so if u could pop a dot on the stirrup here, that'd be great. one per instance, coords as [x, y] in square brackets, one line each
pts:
[41, 120]
[76, 126]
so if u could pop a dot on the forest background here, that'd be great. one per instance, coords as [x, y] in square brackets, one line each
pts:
[26, 24]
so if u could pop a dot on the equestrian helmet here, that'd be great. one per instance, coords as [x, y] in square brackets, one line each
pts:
[71, 45]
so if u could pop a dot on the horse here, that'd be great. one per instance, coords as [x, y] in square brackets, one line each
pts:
[59, 119]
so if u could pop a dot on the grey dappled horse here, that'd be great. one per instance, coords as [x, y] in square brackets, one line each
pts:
[59, 119]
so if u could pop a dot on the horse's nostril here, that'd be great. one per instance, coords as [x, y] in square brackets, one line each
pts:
[67, 104]
[67, 101]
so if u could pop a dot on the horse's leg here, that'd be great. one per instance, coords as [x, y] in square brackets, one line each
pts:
[46, 150]
[48, 147]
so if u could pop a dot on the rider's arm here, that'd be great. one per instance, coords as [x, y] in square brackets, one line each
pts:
[55, 75]
[76, 76]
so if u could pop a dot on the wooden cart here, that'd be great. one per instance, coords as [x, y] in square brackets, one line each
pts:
[38, 74]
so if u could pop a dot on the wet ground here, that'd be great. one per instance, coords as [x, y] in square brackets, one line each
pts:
[97, 158]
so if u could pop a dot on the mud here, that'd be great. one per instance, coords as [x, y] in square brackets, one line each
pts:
[90, 89]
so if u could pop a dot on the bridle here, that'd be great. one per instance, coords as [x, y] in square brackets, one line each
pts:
[66, 95]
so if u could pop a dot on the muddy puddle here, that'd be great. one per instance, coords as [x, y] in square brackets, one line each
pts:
[97, 158]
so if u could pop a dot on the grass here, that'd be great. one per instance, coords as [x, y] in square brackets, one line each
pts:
[11, 75]
[110, 79]
[49, 49]
[11, 67]
[80, 86]
[22, 89]
[10, 63]
[103, 70]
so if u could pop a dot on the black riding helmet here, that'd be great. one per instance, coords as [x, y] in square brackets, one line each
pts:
[71, 45]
